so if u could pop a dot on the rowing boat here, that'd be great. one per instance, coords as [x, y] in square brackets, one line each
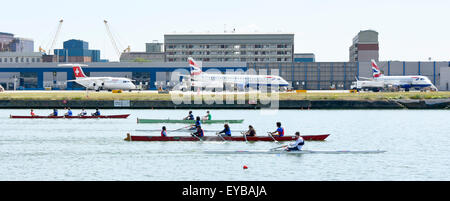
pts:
[217, 138]
[292, 152]
[120, 116]
[216, 121]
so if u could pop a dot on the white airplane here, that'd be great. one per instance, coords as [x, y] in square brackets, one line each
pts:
[202, 79]
[407, 82]
[98, 83]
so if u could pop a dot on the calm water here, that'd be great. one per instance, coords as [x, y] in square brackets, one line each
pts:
[417, 144]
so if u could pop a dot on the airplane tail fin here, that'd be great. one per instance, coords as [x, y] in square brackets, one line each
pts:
[196, 67]
[78, 72]
[376, 72]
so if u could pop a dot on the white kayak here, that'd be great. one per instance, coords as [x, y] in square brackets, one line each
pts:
[292, 152]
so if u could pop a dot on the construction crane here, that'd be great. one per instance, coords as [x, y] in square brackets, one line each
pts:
[56, 36]
[113, 41]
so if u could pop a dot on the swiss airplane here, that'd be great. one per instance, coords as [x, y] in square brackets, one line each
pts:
[202, 79]
[99, 83]
[406, 82]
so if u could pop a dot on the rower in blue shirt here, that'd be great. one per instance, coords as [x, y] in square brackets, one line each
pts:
[190, 116]
[198, 123]
[54, 113]
[199, 132]
[96, 113]
[226, 130]
[279, 132]
[69, 112]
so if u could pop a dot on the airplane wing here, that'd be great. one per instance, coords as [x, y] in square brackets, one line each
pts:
[365, 78]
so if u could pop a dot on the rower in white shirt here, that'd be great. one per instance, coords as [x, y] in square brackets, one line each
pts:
[297, 145]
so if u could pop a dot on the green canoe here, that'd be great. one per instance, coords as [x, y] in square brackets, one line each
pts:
[150, 121]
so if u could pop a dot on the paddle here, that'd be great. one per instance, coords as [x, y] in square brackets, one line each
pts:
[182, 128]
[245, 136]
[277, 147]
[270, 134]
[221, 137]
[197, 137]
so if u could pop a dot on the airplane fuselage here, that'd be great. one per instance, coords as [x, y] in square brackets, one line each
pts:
[109, 83]
[218, 80]
[416, 81]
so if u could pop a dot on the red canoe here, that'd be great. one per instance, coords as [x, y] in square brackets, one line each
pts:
[217, 138]
[120, 116]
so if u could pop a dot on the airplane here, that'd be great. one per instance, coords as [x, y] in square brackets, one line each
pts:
[98, 83]
[198, 78]
[407, 82]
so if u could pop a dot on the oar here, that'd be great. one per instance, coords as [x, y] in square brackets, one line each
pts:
[270, 134]
[277, 147]
[221, 137]
[245, 136]
[197, 137]
[181, 128]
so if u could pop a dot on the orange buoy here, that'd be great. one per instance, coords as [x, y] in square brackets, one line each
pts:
[245, 167]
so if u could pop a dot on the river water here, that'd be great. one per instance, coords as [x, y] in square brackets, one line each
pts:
[417, 144]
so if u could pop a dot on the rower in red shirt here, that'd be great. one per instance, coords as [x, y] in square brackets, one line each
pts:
[32, 113]
[164, 132]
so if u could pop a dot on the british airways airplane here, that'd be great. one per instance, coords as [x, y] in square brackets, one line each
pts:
[202, 79]
[407, 82]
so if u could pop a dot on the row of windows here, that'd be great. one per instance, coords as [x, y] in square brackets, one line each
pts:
[229, 53]
[223, 46]
[232, 59]
[20, 59]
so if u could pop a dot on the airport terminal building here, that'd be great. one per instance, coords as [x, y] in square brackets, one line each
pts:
[151, 75]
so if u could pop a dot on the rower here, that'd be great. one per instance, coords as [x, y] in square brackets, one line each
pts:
[190, 116]
[207, 116]
[82, 113]
[197, 123]
[164, 132]
[298, 144]
[251, 131]
[279, 132]
[226, 130]
[96, 113]
[68, 113]
[199, 132]
[54, 113]
[32, 113]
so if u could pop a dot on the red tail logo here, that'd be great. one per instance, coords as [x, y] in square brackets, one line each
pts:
[78, 72]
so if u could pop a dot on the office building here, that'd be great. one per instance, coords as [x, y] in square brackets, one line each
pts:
[230, 47]
[365, 47]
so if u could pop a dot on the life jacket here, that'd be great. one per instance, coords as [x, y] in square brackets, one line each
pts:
[302, 143]
[200, 133]
[280, 133]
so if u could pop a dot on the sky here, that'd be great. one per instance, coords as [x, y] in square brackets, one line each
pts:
[408, 30]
